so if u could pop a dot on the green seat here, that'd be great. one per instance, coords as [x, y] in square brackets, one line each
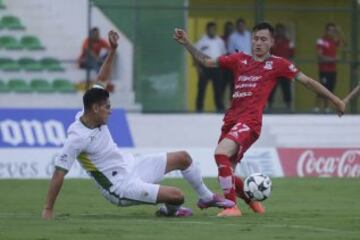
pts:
[2, 5]
[51, 64]
[11, 22]
[63, 85]
[31, 43]
[19, 85]
[8, 64]
[3, 87]
[41, 86]
[10, 43]
[29, 64]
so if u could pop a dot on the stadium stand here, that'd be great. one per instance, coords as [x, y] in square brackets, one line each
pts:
[10, 43]
[41, 86]
[11, 22]
[19, 86]
[63, 86]
[46, 46]
[31, 43]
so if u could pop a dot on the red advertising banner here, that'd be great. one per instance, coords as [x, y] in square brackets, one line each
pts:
[316, 162]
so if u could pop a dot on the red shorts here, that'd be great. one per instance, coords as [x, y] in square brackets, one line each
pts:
[240, 133]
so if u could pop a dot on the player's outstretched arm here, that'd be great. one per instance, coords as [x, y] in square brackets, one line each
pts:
[354, 93]
[54, 189]
[322, 91]
[105, 70]
[181, 37]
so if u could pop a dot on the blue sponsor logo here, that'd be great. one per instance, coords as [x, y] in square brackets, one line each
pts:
[47, 127]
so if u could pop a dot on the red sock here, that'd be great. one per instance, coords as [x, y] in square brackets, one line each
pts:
[226, 176]
[239, 188]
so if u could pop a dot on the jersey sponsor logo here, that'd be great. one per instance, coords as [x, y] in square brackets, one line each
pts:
[268, 65]
[245, 85]
[243, 78]
[242, 94]
[47, 127]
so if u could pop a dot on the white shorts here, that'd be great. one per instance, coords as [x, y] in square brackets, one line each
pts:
[141, 185]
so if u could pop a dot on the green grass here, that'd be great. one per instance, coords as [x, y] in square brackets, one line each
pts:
[298, 209]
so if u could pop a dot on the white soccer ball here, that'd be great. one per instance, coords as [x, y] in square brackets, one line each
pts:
[257, 186]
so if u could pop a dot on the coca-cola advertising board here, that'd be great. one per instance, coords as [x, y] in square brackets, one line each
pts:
[320, 162]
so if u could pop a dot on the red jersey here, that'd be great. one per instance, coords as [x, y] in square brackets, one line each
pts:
[327, 47]
[283, 48]
[96, 46]
[253, 83]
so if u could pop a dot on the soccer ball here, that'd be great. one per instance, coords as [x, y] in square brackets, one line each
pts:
[257, 186]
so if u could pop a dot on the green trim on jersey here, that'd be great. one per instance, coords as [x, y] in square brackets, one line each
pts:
[99, 177]
[86, 162]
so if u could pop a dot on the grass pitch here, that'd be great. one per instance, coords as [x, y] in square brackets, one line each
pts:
[298, 209]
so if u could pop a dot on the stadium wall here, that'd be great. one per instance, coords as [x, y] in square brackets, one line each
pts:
[159, 65]
[289, 146]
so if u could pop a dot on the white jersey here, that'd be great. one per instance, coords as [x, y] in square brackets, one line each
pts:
[97, 153]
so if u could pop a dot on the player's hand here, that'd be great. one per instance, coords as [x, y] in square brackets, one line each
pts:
[113, 39]
[180, 36]
[47, 214]
[340, 108]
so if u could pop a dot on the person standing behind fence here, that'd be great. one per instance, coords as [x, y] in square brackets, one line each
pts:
[91, 56]
[228, 77]
[240, 40]
[282, 47]
[212, 45]
[326, 47]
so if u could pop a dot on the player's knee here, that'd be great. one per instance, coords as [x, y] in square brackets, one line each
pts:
[185, 160]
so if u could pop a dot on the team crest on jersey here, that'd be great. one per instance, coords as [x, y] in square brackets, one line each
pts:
[244, 62]
[268, 65]
[292, 68]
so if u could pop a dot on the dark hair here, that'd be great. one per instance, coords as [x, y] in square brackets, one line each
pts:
[264, 26]
[329, 25]
[93, 96]
[210, 24]
[94, 29]
[240, 20]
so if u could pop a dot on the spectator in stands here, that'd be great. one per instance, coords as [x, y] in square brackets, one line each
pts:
[240, 40]
[283, 47]
[228, 78]
[94, 51]
[211, 45]
[326, 47]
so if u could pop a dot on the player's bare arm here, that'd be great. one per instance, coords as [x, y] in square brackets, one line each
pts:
[181, 37]
[322, 91]
[54, 189]
[354, 93]
[105, 70]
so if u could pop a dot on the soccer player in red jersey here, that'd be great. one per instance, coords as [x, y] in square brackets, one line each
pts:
[326, 47]
[255, 77]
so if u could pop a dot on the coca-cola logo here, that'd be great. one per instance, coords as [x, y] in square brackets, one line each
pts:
[346, 164]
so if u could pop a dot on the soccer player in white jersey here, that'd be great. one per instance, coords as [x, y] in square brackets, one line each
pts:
[123, 179]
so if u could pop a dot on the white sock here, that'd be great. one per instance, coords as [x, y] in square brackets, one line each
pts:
[193, 175]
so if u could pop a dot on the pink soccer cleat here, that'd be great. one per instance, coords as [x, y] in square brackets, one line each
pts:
[216, 201]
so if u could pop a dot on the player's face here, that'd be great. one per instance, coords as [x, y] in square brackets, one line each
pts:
[262, 41]
[103, 112]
